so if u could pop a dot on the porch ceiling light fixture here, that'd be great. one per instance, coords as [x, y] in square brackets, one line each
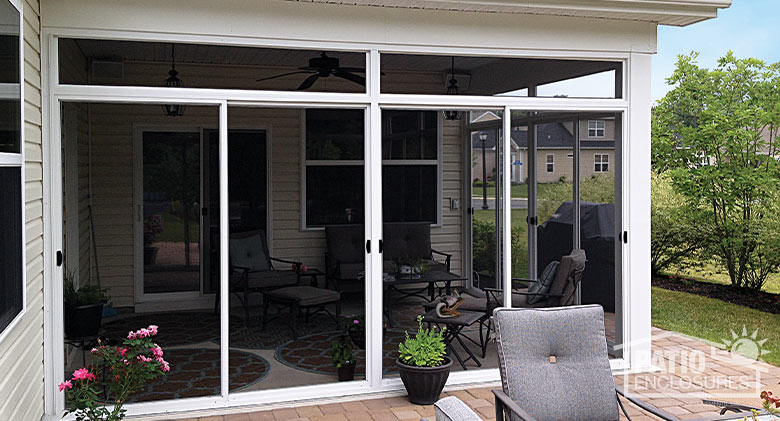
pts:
[173, 81]
[452, 89]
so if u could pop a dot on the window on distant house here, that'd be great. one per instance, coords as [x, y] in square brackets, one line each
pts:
[601, 162]
[334, 189]
[11, 242]
[596, 128]
[550, 163]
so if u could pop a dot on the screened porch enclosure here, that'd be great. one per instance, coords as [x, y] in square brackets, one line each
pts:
[266, 258]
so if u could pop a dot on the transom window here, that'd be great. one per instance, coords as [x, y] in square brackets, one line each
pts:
[596, 128]
[601, 162]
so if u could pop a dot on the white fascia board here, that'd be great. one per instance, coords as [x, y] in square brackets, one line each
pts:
[664, 12]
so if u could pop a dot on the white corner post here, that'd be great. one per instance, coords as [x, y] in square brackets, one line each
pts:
[636, 202]
[224, 262]
[373, 225]
[506, 209]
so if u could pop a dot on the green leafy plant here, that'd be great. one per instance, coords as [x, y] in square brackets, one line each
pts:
[356, 325]
[425, 349]
[84, 295]
[341, 352]
[114, 375]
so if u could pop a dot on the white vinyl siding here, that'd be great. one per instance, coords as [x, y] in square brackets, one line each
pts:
[21, 351]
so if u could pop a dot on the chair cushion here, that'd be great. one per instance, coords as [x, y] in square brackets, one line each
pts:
[453, 409]
[248, 253]
[271, 279]
[407, 239]
[346, 243]
[305, 296]
[564, 279]
[579, 384]
[542, 285]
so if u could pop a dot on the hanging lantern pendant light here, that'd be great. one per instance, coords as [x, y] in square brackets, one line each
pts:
[173, 81]
[452, 89]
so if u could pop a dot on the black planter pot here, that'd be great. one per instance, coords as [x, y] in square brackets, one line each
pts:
[424, 384]
[347, 372]
[83, 321]
[150, 255]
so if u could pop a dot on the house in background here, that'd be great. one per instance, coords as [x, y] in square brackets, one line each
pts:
[140, 138]
[554, 146]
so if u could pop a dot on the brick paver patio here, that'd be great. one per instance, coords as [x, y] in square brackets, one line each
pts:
[690, 371]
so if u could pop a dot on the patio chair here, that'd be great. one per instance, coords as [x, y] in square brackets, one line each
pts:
[562, 281]
[554, 366]
[252, 268]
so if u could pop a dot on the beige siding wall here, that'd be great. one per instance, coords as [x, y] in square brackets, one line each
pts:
[21, 352]
[112, 137]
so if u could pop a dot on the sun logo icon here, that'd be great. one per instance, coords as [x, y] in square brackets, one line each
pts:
[746, 345]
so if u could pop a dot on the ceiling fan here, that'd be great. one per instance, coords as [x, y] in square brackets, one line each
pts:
[323, 66]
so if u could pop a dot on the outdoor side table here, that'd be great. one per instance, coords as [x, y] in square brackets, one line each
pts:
[454, 327]
[431, 278]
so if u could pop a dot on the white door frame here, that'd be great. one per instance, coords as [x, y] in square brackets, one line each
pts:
[373, 100]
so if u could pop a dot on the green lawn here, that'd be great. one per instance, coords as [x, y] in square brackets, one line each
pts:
[518, 190]
[173, 229]
[713, 320]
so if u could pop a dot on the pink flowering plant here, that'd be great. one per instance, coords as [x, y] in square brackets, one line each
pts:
[116, 372]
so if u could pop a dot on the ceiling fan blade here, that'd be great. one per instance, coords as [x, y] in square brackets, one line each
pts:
[281, 75]
[353, 69]
[308, 82]
[360, 80]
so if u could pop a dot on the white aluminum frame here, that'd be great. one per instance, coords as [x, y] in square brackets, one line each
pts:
[372, 101]
[17, 160]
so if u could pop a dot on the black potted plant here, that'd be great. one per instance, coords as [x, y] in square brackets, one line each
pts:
[83, 308]
[422, 364]
[356, 329]
[343, 358]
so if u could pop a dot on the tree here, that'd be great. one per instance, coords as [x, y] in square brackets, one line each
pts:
[713, 134]
[675, 235]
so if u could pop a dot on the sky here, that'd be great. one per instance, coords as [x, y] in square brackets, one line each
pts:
[750, 28]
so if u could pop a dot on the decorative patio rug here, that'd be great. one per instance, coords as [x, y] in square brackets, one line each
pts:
[175, 328]
[312, 353]
[278, 332]
[195, 372]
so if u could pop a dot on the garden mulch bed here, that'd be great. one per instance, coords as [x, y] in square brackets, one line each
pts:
[758, 300]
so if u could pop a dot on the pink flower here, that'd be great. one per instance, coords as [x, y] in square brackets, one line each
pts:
[65, 385]
[126, 362]
[123, 352]
[357, 322]
[83, 374]
[153, 329]
[157, 352]
[131, 335]
[94, 351]
[164, 366]
[144, 358]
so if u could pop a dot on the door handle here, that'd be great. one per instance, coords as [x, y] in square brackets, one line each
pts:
[368, 246]
[59, 258]
[381, 246]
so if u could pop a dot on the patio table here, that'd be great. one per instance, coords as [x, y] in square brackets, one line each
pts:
[431, 278]
[454, 327]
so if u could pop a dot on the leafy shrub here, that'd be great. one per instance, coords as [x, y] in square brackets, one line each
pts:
[484, 248]
[675, 235]
[425, 349]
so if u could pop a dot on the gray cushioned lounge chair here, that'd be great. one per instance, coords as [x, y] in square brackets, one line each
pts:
[554, 366]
